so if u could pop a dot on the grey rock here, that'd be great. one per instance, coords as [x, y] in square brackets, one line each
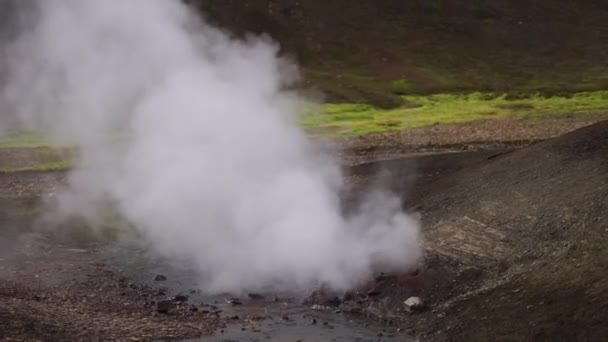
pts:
[414, 304]
[255, 296]
[163, 306]
[160, 277]
[180, 298]
[234, 301]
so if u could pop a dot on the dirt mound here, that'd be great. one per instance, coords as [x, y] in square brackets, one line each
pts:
[533, 199]
[533, 223]
[516, 242]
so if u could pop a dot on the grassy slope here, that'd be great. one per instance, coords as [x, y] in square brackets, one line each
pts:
[391, 54]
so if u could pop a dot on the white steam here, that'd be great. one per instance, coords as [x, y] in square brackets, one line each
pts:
[194, 138]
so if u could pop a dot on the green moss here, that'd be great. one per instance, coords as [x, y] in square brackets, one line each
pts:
[401, 87]
[359, 119]
[23, 140]
[43, 167]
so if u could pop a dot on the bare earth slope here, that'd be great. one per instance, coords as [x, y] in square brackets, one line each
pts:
[516, 246]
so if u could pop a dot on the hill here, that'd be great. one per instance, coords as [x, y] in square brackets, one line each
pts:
[372, 50]
[516, 241]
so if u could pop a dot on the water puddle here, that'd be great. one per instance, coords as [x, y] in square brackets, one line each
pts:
[265, 317]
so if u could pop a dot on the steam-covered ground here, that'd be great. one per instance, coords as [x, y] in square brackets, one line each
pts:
[186, 142]
[514, 250]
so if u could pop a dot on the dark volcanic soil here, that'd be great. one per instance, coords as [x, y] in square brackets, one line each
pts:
[515, 246]
[51, 291]
[515, 242]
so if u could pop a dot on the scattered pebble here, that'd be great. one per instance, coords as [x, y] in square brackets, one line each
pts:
[255, 296]
[163, 306]
[373, 292]
[414, 304]
[180, 298]
[160, 277]
[234, 301]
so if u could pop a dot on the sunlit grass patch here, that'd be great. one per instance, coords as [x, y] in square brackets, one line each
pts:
[425, 110]
[42, 167]
[16, 140]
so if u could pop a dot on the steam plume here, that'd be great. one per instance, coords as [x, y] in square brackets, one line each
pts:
[193, 137]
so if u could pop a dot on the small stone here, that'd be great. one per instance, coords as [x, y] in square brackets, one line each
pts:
[285, 318]
[374, 292]
[314, 321]
[180, 298]
[234, 301]
[193, 308]
[414, 304]
[255, 296]
[348, 296]
[163, 306]
[235, 317]
[160, 277]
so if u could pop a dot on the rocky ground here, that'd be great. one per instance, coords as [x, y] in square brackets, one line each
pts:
[55, 292]
[515, 245]
[515, 249]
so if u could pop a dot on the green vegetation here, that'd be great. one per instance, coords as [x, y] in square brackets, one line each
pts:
[401, 87]
[42, 167]
[425, 110]
[23, 140]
